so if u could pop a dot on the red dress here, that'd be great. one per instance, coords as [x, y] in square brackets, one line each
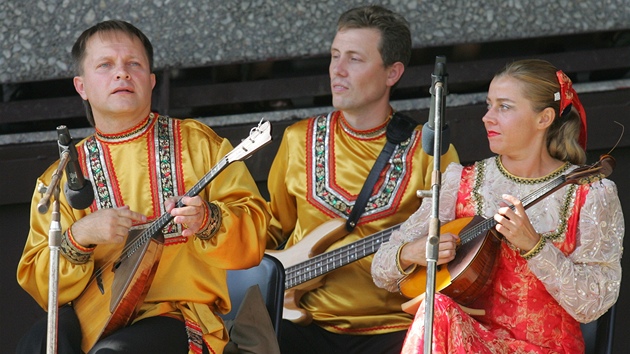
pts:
[521, 316]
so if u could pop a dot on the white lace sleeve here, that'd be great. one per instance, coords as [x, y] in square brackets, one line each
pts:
[586, 283]
[385, 271]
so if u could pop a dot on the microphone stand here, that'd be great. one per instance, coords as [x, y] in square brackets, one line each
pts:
[54, 241]
[433, 239]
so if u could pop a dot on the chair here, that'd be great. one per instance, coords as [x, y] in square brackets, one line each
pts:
[598, 335]
[269, 276]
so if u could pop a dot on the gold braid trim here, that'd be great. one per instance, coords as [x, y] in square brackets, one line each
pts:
[535, 250]
[73, 251]
[212, 222]
[409, 269]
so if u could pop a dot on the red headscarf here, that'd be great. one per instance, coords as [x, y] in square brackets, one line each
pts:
[568, 98]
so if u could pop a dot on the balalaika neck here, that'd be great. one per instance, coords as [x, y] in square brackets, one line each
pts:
[161, 222]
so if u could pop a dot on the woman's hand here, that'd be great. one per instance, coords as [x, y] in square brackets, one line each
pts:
[515, 226]
[414, 252]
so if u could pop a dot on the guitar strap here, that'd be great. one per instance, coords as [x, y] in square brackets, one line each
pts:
[399, 129]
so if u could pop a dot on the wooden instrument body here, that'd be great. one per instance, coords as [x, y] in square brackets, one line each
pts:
[466, 276]
[123, 288]
[313, 244]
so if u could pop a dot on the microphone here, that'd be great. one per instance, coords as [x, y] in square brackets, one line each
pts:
[78, 190]
[428, 130]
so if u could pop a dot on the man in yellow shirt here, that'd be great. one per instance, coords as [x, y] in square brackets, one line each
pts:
[319, 171]
[139, 163]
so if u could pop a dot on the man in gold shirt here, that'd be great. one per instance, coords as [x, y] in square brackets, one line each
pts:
[139, 164]
[319, 171]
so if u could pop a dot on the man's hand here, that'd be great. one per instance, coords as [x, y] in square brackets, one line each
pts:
[192, 215]
[105, 226]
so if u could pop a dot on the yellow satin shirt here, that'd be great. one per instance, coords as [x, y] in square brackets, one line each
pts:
[317, 174]
[140, 168]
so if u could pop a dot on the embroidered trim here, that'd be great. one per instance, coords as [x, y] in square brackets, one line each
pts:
[523, 180]
[72, 251]
[321, 162]
[535, 250]
[480, 172]
[165, 166]
[364, 134]
[130, 134]
[195, 337]
[98, 173]
[569, 197]
[214, 218]
[206, 216]
[163, 170]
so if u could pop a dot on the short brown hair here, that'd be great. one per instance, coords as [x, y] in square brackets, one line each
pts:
[78, 49]
[395, 42]
[111, 26]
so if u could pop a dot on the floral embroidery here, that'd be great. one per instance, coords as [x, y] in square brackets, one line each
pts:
[98, 174]
[161, 150]
[560, 170]
[166, 166]
[127, 135]
[74, 252]
[195, 337]
[322, 161]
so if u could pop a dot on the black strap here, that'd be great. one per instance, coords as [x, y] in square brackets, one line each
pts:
[399, 129]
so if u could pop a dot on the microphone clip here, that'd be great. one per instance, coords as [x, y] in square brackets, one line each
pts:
[439, 75]
[78, 189]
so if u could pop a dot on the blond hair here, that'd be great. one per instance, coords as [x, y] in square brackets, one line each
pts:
[540, 85]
